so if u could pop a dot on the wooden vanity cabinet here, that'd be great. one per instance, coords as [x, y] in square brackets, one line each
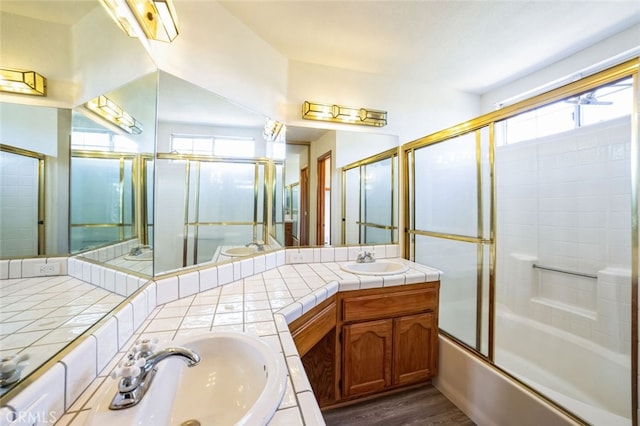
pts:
[363, 342]
[389, 338]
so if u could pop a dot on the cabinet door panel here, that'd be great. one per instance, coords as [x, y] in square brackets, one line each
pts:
[415, 348]
[367, 349]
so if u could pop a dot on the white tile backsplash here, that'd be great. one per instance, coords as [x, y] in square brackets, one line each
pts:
[107, 343]
[125, 325]
[81, 369]
[44, 398]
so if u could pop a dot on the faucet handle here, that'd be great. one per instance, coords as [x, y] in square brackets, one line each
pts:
[11, 363]
[129, 368]
[146, 346]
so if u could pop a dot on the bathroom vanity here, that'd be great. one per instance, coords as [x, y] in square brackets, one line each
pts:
[365, 342]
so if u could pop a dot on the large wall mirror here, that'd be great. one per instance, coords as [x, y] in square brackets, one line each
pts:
[164, 183]
[66, 173]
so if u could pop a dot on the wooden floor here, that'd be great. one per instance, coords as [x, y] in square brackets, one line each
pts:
[422, 406]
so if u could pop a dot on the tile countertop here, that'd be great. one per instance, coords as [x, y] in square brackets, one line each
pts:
[262, 304]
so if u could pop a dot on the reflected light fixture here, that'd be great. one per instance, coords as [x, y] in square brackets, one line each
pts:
[114, 114]
[273, 129]
[157, 19]
[342, 114]
[22, 81]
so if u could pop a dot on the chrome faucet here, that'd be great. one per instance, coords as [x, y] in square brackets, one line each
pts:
[138, 371]
[259, 245]
[135, 251]
[365, 256]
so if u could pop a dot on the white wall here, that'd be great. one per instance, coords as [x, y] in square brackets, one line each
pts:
[354, 146]
[104, 58]
[217, 52]
[616, 45]
[43, 47]
[414, 108]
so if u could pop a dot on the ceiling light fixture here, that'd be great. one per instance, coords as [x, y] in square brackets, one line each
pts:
[114, 114]
[23, 82]
[342, 114]
[156, 19]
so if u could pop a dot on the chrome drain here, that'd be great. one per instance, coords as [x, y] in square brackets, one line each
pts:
[191, 422]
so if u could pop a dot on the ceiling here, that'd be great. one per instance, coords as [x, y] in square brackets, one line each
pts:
[469, 45]
[473, 46]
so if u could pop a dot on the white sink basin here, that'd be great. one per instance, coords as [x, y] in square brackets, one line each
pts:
[379, 267]
[239, 251]
[240, 380]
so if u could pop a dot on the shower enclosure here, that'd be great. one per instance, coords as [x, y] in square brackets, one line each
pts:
[22, 194]
[369, 200]
[205, 204]
[531, 213]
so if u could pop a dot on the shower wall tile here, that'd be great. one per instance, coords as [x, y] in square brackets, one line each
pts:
[564, 201]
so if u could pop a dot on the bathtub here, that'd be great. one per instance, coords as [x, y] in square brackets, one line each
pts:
[588, 380]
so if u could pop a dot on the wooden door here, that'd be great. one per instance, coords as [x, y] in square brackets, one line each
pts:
[415, 348]
[367, 351]
[303, 236]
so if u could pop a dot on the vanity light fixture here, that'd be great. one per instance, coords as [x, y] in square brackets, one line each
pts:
[343, 114]
[157, 19]
[114, 114]
[22, 81]
[273, 129]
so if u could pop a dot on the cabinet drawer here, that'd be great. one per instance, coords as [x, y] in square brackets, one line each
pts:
[374, 306]
[315, 328]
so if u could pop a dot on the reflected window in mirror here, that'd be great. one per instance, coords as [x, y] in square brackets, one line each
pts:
[370, 200]
[224, 146]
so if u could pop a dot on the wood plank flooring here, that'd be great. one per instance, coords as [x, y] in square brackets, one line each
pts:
[422, 406]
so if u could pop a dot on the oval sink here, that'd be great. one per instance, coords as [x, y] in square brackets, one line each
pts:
[379, 267]
[240, 380]
[239, 251]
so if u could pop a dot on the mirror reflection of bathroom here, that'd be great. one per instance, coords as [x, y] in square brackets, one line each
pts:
[216, 179]
[111, 179]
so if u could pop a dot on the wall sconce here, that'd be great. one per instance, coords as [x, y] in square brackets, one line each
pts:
[273, 129]
[157, 19]
[342, 114]
[21, 81]
[114, 114]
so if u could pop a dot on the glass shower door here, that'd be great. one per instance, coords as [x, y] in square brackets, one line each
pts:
[20, 217]
[102, 201]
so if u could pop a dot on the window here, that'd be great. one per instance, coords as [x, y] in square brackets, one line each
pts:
[91, 140]
[602, 104]
[213, 145]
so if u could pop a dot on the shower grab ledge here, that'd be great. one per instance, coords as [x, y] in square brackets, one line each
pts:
[564, 271]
